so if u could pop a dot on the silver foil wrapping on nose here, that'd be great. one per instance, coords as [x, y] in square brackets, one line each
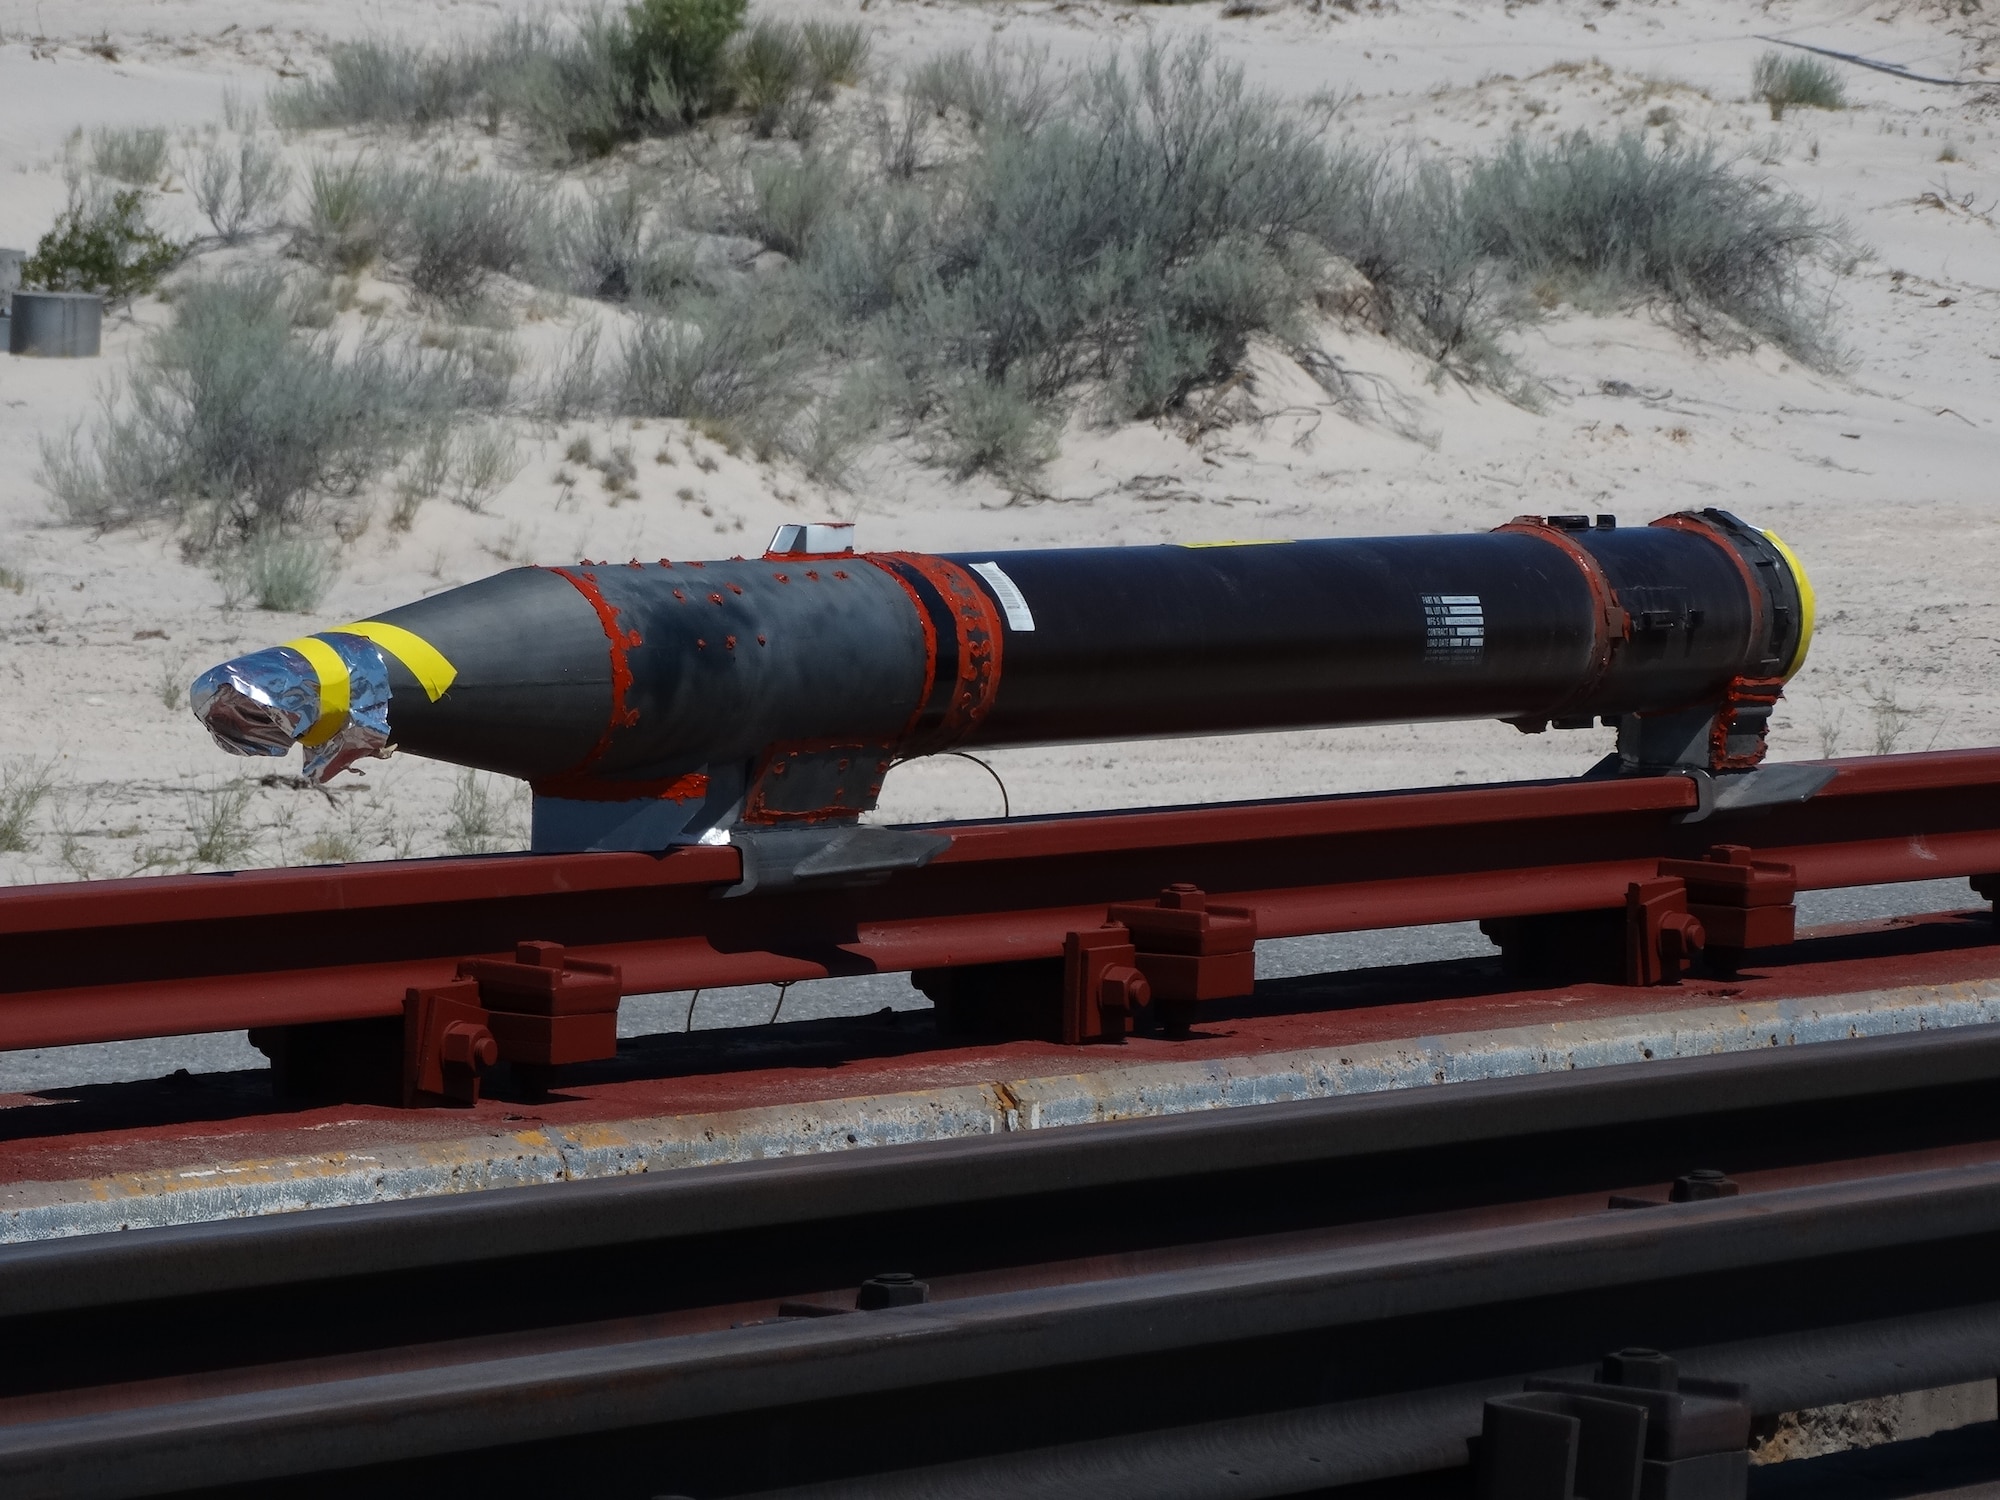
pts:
[336, 708]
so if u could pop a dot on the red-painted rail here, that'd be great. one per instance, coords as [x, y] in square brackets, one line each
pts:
[159, 956]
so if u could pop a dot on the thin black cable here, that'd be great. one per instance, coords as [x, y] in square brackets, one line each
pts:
[782, 987]
[1894, 70]
[1006, 807]
[691, 1002]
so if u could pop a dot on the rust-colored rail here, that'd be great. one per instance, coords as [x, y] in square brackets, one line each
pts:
[1219, 1304]
[159, 956]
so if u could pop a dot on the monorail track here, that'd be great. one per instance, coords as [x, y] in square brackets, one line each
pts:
[1246, 1302]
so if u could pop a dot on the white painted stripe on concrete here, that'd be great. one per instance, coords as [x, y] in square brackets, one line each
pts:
[197, 1194]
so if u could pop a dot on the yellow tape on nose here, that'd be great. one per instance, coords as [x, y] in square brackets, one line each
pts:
[434, 673]
[333, 691]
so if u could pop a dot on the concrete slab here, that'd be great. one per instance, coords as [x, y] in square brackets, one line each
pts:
[187, 1150]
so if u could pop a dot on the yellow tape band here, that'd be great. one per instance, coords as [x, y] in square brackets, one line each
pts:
[434, 673]
[1252, 541]
[1807, 606]
[333, 695]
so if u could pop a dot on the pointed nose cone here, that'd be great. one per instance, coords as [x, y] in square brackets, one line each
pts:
[329, 693]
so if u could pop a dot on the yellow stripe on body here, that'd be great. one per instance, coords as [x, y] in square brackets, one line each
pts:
[433, 671]
[333, 695]
[1807, 604]
[1248, 541]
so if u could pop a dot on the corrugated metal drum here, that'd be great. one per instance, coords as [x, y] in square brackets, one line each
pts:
[56, 325]
[10, 277]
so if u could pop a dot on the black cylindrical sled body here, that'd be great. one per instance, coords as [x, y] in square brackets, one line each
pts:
[782, 687]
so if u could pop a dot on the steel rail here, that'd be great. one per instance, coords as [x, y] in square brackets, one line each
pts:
[808, 1196]
[1647, 1259]
[108, 960]
[1370, 1161]
[1413, 1432]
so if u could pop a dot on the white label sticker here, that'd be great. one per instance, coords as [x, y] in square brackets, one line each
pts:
[1019, 616]
[1454, 628]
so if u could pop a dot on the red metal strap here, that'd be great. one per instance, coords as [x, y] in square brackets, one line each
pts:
[978, 651]
[1611, 626]
[1681, 521]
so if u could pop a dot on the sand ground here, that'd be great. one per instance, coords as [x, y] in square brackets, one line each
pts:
[1881, 476]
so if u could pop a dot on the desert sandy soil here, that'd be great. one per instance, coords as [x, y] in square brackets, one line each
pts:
[1881, 476]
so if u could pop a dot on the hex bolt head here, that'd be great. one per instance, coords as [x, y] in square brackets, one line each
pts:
[891, 1289]
[1641, 1369]
[1702, 1184]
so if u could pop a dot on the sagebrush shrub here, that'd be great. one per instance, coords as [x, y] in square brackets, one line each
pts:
[240, 426]
[356, 212]
[602, 247]
[1011, 237]
[136, 155]
[581, 95]
[288, 574]
[767, 71]
[836, 52]
[1150, 223]
[1679, 221]
[1008, 88]
[582, 86]
[241, 190]
[731, 359]
[792, 200]
[377, 81]
[457, 231]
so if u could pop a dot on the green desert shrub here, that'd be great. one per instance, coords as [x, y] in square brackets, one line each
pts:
[102, 243]
[1782, 79]
[677, 50]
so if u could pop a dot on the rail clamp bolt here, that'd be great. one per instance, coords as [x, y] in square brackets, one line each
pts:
[891, 1289]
